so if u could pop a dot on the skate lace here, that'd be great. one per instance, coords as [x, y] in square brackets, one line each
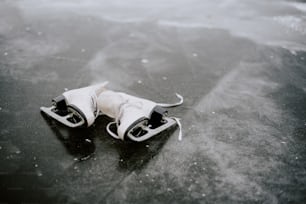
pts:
[171, 105]
[95, 105]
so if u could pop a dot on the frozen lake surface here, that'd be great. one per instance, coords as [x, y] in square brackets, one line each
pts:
[240, 65]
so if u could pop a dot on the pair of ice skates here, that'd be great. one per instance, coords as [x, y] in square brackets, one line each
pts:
[135, 118]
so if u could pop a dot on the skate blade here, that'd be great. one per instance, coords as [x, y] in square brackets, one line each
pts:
[66, 120]
[142, 131]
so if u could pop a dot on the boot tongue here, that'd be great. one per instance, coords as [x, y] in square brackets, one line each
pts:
[109, 103]
[99, 88]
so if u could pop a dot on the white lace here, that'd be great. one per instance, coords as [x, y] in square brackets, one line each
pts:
[177, 120]
[95, 101]
[170, 105]
[110, 132]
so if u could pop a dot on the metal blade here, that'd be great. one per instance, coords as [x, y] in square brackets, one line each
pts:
[151, 132]
[62, 119]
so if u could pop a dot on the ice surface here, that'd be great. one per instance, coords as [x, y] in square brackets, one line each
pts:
[240, 65]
